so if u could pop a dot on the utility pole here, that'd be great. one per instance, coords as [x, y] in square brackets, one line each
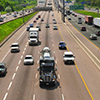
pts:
[63, 13]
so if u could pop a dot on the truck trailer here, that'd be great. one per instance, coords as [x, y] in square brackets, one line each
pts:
[89, 20]
[96, 22]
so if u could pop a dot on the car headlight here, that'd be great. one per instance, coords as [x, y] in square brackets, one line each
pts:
[41, 80]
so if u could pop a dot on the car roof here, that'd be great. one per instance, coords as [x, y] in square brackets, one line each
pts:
[93, 34]
[1, 63]
[28, 56]
[15, 44]
[62, 42]
[68, 52]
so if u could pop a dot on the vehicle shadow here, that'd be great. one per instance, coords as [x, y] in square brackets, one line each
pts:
[39, 43]
[50, 87]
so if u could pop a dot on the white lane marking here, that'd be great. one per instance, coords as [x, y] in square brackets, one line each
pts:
[27, 43]
[24, 49]
[13, 76]
[19, 62]
[34, 97]
[54, 52]
[5, 96]
[17, 68]
[21, 57]
[5, 56]
[23, 52]
[38, 52]
[36, 76]
[56, 61]
[21, 35]
[62, 97]
[58, 76]
[53, 45]
[51, 40]
[9, 86]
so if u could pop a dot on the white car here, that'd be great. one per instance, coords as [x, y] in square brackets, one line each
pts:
[28, 60]
[15, 47]
[68, 57]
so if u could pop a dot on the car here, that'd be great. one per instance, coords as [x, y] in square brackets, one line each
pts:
[28, 28]
[69, 18]
[68, 57]
[39, 28]
[93, 37]
[1, 19]
[55, 27]
[47, 25]
[37, 18]
[15, 15]
[31, 25]
[7, 14]
[3, 69]
[62, 45]
[97, 33]
[42, 20]
[52, 14]
[54, 22]
[75, 15]
[28, 60]
[34, 21]
[83, 28]
[53, 19]
[15, 47]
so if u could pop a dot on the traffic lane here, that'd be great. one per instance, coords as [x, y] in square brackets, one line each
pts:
[70, 80]
[46, 92]
[24, 83]
[85, 65]
[84, 40]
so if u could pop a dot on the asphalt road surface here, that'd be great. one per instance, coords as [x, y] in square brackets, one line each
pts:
[75, 82]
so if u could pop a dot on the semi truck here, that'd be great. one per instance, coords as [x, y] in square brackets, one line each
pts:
[96, 22]
[89, 20]
[33, 36]
[47, 69]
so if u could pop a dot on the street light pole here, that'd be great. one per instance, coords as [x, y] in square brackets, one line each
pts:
[63, 11]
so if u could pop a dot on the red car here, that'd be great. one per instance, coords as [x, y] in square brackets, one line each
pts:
[75, 15]
[83, 28]
[34, 21]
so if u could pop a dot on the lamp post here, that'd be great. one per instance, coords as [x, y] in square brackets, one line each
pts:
[63, 13]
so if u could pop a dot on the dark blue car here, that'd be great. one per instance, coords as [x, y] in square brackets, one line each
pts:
[62, 45]
[31, 25]
[28, 28]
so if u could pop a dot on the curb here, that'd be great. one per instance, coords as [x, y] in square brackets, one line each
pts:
[5, 40]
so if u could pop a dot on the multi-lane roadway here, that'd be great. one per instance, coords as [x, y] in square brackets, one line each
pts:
[74, 82]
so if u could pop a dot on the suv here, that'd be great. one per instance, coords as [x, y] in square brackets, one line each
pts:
[62, 45]
[97, 33]
[68, 57]
[83, 28]
[93, 37]
[15, 47]
[3, 69]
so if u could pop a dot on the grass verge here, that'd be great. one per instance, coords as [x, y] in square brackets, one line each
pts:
[7, 28]
[93, 14]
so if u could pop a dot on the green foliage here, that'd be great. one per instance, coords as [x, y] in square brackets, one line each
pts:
[8, 28]
[8, 9]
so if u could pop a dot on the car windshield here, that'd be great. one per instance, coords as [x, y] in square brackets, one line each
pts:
[14, 46]
[1, 66]
[47, 68]
[61, 43]
[68, 56]
[28, 57]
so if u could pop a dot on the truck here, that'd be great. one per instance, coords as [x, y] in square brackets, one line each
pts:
[89, 20]
[33, 36]
[96, 22]
[47, 69]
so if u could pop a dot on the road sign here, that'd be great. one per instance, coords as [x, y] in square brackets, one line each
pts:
[76, 7]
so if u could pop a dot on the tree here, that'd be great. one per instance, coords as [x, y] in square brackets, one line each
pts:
[8, 9]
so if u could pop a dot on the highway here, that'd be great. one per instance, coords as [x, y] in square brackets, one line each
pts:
[75, 82]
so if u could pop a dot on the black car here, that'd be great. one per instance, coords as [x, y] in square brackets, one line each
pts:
[3, 69]
[97, 33]
[42, 20]
[37, 18]
[28, 28]
[47, 26]
[39, 28]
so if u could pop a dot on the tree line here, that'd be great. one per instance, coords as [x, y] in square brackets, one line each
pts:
[15, 4]
[90, 2]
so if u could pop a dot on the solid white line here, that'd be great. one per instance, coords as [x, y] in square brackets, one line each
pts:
[23, 52]
[19, 62]
[13, 76]
[21, 57]
[58, 76]
[21, 35]
[5, 56]
[62, 97]
[17, 68]
[9, 86]
[36, 76]
[34, 97]
[5, 96]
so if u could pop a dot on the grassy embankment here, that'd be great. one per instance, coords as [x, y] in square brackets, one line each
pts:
[7, 28]
[93, 14]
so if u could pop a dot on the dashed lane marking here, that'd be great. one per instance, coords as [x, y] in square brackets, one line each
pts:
[21, 57]
[19, 62]
[13, 76]
[17, 68]
[9, 86]
[5, 96]
[62, 97]
[33, 97]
